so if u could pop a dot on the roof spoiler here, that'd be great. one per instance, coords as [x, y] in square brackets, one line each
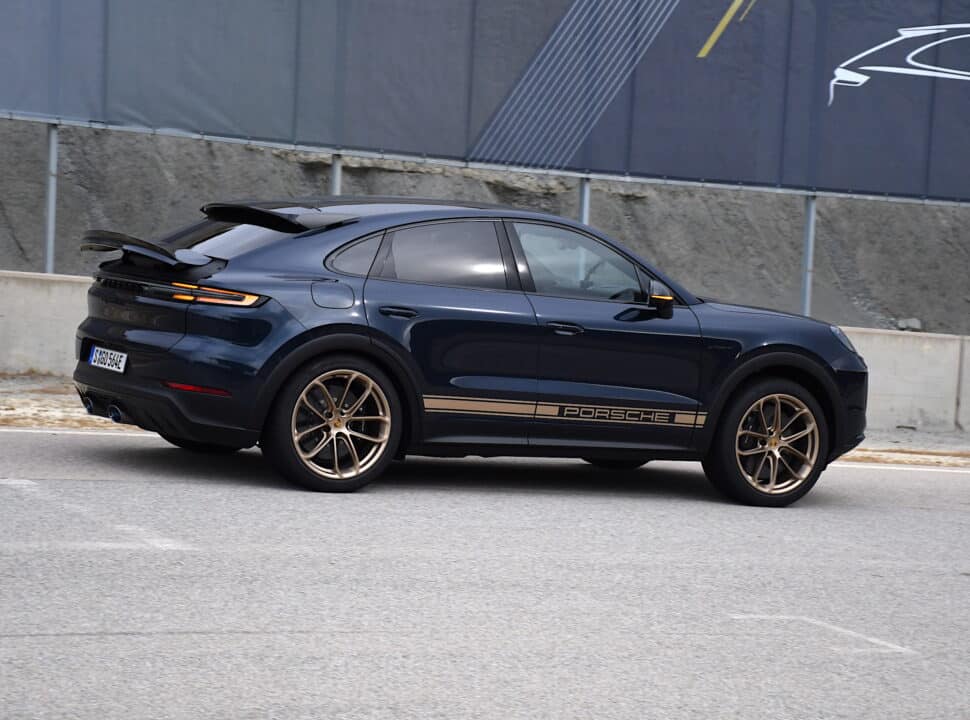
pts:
[106, 240]
[309, 219]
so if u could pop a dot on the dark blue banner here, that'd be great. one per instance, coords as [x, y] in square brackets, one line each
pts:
[841, 95]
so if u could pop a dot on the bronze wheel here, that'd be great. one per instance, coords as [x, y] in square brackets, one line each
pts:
[341, 424]
[776, 444]
[770, 444]
[335, 425]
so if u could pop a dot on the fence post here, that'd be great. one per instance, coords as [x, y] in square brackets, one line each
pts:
[584, 200]
[336, 174]
[51, 217]
[808, 255]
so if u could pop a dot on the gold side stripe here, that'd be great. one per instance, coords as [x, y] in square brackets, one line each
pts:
[627, 422]
[582, 413]
[507, 408]
[491, 400]
[479, 412]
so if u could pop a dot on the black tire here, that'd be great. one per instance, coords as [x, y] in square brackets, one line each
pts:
[201, 447]
[280, 447]
[723, 463]
[616, 463]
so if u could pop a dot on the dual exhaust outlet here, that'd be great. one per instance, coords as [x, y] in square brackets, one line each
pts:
[113, 411]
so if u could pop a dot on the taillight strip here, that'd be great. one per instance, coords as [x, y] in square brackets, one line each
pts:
[214, 296]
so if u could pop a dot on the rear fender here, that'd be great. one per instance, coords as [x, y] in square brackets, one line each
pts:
[351, 339]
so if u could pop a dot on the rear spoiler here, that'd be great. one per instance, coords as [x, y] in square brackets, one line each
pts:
[311, 219]
[105, 241]
[307, 219]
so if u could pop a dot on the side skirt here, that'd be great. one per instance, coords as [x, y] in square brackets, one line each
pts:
[551, 451]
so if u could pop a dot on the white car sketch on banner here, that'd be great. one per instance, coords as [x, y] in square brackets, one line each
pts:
[848, 73]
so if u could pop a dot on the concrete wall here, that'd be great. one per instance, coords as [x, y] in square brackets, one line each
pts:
[963, 414]
[876, 262]
[38, 316]
[916, 379]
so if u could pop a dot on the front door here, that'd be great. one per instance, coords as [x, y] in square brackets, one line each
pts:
[439, 293]
[611, 372]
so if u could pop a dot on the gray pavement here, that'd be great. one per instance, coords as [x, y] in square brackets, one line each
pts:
[137, 580]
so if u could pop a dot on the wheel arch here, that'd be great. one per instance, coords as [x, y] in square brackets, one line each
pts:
[806, 371]
[311, 345]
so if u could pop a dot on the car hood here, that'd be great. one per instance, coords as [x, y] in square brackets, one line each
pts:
[750, 310]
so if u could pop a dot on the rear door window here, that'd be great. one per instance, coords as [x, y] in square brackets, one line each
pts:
[462, 253]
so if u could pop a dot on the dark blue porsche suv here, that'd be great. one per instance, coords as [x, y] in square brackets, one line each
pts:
[342, 333]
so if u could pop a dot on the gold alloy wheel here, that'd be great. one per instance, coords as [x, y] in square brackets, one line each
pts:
[777, 444]
[341, 424]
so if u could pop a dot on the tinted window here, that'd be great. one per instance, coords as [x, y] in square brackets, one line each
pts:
[457, 253]
[571, 264]
[356, 258]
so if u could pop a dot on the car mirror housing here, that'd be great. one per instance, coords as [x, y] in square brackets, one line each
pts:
[660, 298]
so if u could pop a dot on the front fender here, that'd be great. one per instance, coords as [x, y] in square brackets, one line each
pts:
[799, 366]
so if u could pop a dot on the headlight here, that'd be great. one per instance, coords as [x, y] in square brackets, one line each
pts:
[843, 338]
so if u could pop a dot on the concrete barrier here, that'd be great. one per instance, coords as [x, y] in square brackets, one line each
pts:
[963, 410]
[38, 317]
[916, 379]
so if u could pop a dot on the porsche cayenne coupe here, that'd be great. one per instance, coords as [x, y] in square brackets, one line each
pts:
[341, 334]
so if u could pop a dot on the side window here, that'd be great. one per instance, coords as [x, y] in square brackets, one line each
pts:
[454, 253]
[570, 264]
[356, 258]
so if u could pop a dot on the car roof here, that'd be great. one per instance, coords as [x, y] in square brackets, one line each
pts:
[375, 213]
[373, 206]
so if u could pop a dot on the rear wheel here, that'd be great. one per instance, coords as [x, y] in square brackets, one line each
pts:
[616, 463]
[770, 445]
[335, 425]
[200, 447]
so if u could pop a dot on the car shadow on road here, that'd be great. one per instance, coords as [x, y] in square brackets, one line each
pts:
[175, 465]
[542, 476]
[501, 475]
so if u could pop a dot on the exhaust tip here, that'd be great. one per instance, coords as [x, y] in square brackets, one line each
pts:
[115, 414]
[88, 404]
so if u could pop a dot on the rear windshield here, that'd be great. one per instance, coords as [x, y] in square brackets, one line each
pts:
[220, 240]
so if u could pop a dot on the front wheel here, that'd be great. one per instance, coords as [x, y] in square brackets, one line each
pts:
[770, 445]
[335, 425]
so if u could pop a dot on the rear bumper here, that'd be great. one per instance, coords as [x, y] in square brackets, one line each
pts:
[163, 410]
[227, 348]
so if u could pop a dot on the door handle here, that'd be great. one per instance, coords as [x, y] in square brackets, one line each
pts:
[395, 311]
[565, 328]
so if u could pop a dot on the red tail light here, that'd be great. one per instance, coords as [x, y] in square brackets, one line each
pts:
[197, 389]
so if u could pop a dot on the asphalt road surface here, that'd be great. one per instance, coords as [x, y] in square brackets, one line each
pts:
[138, 580]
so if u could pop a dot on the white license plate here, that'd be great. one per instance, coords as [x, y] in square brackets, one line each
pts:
[108, 359]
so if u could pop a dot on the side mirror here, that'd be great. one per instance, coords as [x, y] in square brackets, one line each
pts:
[660, 298]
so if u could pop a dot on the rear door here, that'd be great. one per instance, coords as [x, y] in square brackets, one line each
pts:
[441, 293]
[611, 372]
